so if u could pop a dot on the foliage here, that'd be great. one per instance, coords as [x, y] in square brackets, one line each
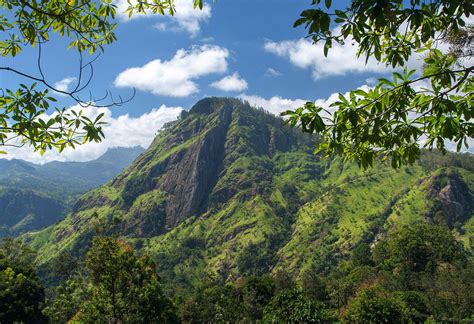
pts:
[216, 303]
[119, 287]
[68, 298]
[254, 260]
[420, 247]
[391, 119]
[257, 292]
[291, 306]
[313, 286]
[21, 291]
[450, 292]
[361, 255]
[357, 292]
[373, 307]
[88, 26]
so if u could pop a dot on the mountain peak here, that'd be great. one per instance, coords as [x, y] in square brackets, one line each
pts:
[210, 105]
[120, 153]
[190, 162]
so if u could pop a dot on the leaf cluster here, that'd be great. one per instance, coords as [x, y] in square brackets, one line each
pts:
[88, 26]
[414, 109]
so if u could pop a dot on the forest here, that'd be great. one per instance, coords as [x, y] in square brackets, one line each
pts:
[415, 274]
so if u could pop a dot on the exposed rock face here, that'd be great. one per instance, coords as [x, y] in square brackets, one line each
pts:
[453, 197]
[190, 180]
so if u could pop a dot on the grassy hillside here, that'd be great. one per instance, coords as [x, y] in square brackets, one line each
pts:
[228, 191]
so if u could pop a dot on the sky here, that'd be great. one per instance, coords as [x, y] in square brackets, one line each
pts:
[246, 48]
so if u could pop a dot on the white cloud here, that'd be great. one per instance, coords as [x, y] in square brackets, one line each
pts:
[231, 82]
[342, 59]
[186, 17]
[122, 131]
[161, 26]
[272, 72]
[63, 85]
[176, 77]
[275, 104]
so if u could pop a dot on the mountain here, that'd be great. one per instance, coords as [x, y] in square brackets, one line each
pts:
[228, 190]
[34, 196]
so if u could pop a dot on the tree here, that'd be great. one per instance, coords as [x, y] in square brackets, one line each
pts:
[291, 306]
[214, 303]
[419, 248]
[257, 292]
[21, 291]
[450, 293]
[254, 260]
[313, 286]
[361, 255]
[67, 301]
[119, 287]
[397, 117]
[88, 26]
[371, 306]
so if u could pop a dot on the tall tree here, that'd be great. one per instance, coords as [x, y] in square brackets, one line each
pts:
[21, 291]
[412, 110]
[122, 287]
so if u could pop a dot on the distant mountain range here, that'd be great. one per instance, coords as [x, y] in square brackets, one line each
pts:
[227, 191]
[33, 196]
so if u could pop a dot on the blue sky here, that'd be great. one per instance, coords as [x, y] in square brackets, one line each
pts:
[245, 48]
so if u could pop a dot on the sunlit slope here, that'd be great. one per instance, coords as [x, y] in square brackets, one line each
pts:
[227, 190]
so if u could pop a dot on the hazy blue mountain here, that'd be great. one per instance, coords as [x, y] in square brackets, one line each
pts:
[33, 196]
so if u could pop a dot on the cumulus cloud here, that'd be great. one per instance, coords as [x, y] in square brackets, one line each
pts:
[121, 131]
[342, 59]
[231, 82]
[186, 18]
[63, 85]
[176, 76]
[275, 104]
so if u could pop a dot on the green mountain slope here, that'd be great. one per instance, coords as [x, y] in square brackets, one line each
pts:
[33, 196]
[227, 190]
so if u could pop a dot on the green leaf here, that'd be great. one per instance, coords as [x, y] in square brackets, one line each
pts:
[325, 22]
[299, 22]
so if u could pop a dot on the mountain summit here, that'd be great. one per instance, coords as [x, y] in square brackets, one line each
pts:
[228, 190]
[221, 148]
